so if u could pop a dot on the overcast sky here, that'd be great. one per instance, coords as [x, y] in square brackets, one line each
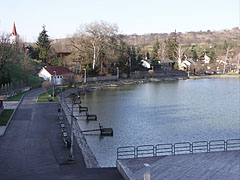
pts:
[63, 17]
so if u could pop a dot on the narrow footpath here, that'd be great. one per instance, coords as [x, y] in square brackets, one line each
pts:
[32, 147]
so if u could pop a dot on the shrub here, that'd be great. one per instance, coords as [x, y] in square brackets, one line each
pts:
[46, 85]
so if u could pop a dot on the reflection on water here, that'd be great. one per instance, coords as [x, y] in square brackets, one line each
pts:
[166, 112]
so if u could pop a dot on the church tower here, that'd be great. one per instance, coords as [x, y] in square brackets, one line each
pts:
[14, 37]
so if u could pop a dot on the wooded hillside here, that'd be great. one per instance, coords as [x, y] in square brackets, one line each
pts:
[184, 38]
[61, 45]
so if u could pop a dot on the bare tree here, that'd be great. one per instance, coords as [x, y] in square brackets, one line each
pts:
[101, 36]
[27, 67]
[69, 79]
[6, 50]
[95, 44]
[46, 86]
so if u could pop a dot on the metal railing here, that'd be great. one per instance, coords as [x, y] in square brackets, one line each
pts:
[130, 152]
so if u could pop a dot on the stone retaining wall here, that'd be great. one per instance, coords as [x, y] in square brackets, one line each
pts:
[89, 158]
[157, 74]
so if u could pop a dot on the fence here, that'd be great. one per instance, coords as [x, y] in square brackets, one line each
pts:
[11, 88]
[129, 152]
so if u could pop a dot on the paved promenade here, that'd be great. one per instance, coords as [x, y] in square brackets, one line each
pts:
[32, 147]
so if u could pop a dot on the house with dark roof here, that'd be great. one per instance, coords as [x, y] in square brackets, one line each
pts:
[166, 64]
[54, 74]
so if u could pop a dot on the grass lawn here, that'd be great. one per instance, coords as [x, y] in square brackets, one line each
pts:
[17, 97]
[46, 98]
[5, 116]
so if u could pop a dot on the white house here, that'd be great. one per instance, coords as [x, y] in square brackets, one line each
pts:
[186, 64]
[204, 59]
[54, 74]
[146, 64]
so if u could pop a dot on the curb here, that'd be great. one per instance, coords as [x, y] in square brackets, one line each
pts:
[16, 110]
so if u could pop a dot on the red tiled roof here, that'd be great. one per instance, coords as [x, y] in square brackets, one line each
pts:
[60, 70]
[14, 31]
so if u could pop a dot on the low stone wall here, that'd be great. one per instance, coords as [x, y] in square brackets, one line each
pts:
[101, 78]
[157, 74]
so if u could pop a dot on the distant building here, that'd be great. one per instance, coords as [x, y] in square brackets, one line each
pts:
[63, 54]
[164, 64]
[204, 59]
[54, 74]
[14, 37]
[146, 64]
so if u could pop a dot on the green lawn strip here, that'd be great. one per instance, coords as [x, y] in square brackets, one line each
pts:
[5, 116]
[45, 97]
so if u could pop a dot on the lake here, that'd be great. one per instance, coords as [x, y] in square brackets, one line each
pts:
[164, 112]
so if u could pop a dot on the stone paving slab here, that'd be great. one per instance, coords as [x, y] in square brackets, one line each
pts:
[201, 166]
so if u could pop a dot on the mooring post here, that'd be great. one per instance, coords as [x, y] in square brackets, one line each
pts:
[147, 175]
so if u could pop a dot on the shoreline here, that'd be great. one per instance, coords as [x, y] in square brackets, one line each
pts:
[215, 76]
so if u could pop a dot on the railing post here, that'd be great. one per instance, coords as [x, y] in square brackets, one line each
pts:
[173, 149]
[208, 147]
[147, 175]
[225, 146]
[191, 148]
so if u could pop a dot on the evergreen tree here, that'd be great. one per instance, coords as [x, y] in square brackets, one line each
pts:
[194, 55]
[139, 55]
[171, 46]
[133, 59]
[43, 44]
[172, 49]
[147, 55]
[123, 57]
[33, 52]
[225, 45]
[212, 54]
[155, 50]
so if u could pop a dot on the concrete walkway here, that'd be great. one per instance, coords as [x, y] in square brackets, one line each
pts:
[32, 147]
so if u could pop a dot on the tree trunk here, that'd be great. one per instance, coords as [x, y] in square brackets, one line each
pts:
[94, 56]
[101, 67]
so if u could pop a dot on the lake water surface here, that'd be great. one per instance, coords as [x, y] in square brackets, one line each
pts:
[165, 112]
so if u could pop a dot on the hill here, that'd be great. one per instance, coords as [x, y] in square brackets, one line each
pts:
[62, 45]
[184, 38]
